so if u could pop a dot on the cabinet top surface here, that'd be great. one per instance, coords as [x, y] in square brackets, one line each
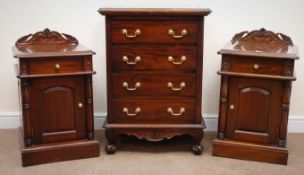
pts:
[155, 11]
[48, 44]
[261, 43]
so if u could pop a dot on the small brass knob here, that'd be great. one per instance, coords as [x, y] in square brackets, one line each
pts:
[231, 107]
[80, 105]
[57, 66]
[256, 66]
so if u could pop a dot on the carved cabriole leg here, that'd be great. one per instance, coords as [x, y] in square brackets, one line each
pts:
[284, 117]
[223, 108]
[89, 108]
[26, 107]
[197, 148]
[111, 137]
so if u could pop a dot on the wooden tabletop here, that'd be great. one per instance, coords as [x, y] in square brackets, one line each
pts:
[155, 11]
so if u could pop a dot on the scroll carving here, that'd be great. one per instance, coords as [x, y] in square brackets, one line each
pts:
[46, 37]
[262, 35]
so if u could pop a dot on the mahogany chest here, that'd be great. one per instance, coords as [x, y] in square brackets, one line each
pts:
[55, 83]
[256, 75]
[154, 73]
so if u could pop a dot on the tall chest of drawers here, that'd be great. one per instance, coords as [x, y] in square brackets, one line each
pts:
[56, 96]
[154, 74]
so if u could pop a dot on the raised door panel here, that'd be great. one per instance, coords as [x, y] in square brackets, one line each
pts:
[56, 113]
[254, 108]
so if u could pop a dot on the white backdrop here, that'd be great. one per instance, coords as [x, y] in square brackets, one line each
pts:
[80, 19]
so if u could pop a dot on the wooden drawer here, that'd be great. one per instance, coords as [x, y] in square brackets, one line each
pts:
[151, 84]
[181, 111]
[56, 65]
[256, 65]
[156, 31]
[153, 57]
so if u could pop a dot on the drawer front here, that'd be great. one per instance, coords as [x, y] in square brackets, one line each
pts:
[140, 31]
[151, 84]
[139, 57]
[173, 111]
[55, 65]
[256, 66]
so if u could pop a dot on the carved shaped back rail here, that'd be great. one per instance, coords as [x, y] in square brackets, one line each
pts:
[46, 37]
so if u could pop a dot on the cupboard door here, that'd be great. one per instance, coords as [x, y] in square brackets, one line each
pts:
[58, 109]
[254, 110]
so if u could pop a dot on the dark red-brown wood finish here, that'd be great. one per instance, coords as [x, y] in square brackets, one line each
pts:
[257, 70]
[154, 74]
[55, 78]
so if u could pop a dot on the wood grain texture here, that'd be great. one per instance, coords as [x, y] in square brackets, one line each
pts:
[261, 43]
[139, 43]
[153, 57]
[154, 32]
[249, 151]
[56, 98]
[153, 111]
[154, 11]
[48, 66]
[247, 65]
[154, 84]
[255, 95]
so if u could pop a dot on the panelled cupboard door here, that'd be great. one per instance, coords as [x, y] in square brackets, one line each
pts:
[58, 109]
[254, 109]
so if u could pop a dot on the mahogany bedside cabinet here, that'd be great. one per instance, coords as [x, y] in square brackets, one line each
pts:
[55, 82]
[257, 71]
[154, 74]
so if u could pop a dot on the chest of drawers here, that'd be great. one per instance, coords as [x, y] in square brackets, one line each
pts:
[55, 83]
[257, 71]
[154, 74]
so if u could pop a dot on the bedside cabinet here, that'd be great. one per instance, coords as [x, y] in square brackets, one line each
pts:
[154, 74]
[257, 71]
[55, 82]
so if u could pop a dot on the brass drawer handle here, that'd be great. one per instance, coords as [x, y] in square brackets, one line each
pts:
[126, 85]
[256, 67]
[136, 33]
[126, 111]
[80, 105]
[126, 59]
[182, 59]
[181, 111]
[57, 66]
[183, 33]
[181, 86]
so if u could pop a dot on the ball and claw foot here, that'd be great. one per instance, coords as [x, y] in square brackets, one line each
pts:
[197, 149]
[110, 149]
